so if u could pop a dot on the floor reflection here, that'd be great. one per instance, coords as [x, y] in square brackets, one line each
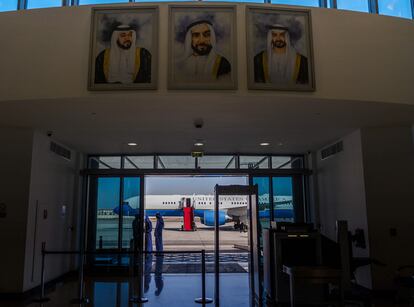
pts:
[161, 290]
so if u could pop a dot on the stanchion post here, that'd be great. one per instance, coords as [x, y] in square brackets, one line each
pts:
[81, 299]
[203, 299]
[42, 297]
[139, 298]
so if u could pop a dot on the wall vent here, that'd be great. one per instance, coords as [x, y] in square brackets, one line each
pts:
[332, 150]
[60, 150]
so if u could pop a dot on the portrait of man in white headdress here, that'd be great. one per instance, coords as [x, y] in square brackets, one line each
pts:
[201, 60]
[202, 48]
[123, 61]
[124, 48]
[279, 49]
[280, 63]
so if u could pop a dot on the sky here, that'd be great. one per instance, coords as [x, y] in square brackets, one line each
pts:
[398, 8]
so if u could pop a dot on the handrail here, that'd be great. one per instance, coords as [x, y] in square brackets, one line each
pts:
[81, 299]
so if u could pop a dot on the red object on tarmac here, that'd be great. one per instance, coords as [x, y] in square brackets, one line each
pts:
[188, 213]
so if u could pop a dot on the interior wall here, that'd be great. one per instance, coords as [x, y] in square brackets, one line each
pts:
[388, 155]
[344, 43]
[52, 211]
[15, 160]
[342, 195]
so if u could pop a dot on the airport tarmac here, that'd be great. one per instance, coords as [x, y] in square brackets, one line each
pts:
[174, 238]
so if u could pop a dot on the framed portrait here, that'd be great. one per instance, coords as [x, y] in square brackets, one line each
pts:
[202, 47]
[279, 49]
[124, 49]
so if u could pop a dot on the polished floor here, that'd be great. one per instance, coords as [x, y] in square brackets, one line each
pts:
[172, 290]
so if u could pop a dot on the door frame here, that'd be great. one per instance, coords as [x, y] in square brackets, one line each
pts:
[252, 193]
[90, 212]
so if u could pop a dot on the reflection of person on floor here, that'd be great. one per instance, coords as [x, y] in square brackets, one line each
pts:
[147, 272]
[159, 282]
[148, 234]
[158, 232]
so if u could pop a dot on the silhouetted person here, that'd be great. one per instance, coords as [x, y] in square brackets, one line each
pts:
[135, 231]
[148, 234]
[158, 232]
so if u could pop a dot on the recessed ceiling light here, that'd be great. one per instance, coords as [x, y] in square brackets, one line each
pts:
[132, 144]
[198, 144]
[264, 144]
[280, 144]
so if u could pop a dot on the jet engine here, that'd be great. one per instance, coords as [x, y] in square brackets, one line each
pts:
[208, 218]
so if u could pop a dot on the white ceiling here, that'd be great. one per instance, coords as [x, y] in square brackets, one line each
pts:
[232, 124]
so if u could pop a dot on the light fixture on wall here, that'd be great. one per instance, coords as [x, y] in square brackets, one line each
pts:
[264, 144]
[199, 144]
[132, 144]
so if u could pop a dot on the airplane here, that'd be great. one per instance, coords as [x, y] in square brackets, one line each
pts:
[232, 208]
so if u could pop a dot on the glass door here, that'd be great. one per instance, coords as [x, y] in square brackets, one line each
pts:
[131, 204]
[107, 212]
[281, 199]
[114, 202]
[235, 217]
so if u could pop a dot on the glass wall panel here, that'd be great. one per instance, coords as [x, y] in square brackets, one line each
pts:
[8, 5]
[105, 162]
[35, 4]
[222, 162]
[283, 209]
[254, 162]
[279, 162]
[139, 162]
[397, 8]
[137, 1]
[249, 1]
[353, 5]
[167, 162]
[107, 209]
[131, 205]
[263, 184]
[81, 2]
[297, 2]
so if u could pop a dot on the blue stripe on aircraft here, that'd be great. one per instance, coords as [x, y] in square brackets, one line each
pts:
[128, 211]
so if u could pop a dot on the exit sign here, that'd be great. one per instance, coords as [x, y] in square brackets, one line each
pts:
[196, 154]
